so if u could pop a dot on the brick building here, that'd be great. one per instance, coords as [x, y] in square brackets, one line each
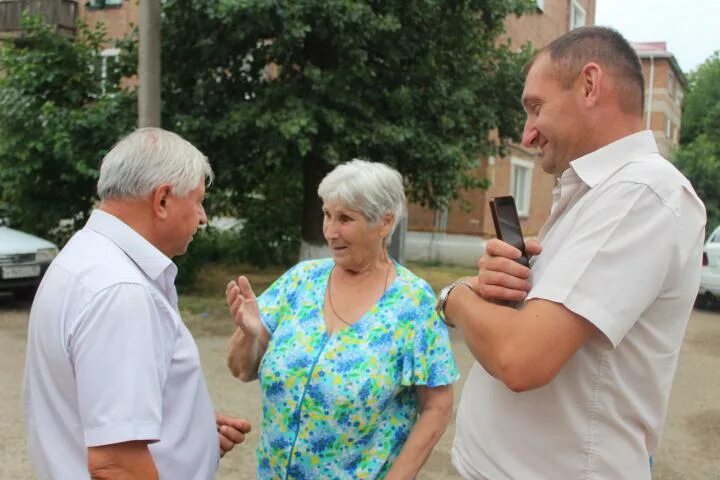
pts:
[519, 172]
[665, 86]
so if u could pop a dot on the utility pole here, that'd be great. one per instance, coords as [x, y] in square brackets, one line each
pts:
[149, 64]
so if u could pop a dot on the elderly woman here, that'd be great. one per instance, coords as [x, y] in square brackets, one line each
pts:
[355, 365]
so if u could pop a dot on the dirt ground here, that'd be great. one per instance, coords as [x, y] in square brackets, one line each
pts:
[690, 448]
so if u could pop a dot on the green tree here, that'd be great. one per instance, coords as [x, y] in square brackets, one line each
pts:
[701, 109]
[277, 93]
[58, 117]
[699, 160]
[699, 154]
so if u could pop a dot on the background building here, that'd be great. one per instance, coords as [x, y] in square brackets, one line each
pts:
[519, 172]
[665, 87]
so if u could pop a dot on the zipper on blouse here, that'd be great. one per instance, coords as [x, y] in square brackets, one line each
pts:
[298, 411]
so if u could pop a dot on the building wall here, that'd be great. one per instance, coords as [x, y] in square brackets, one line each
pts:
[666, 105]
[118, 20]
[539, 28]
[543, 26]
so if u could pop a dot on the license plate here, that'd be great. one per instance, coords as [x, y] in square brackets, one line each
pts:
[20, 271]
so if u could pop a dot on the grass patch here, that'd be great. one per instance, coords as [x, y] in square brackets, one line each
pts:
[439, 275]
[203, 305]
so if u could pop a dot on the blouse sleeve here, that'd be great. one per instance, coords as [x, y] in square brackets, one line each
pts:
[429, 359]
[273, 303]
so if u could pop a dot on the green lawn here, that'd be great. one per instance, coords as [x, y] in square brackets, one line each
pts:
[204, 310]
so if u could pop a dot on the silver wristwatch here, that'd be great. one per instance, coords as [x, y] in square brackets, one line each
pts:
[443, 298]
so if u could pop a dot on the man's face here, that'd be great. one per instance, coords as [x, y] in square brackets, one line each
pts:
[184, 216]
[555, 121]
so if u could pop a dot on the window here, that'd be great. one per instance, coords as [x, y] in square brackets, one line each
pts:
[671, 84]
[577, 15]
[521, 184]
[107, 57]
[668, 127]
[98, 4]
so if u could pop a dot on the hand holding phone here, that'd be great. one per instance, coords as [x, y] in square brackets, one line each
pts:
[507, 225]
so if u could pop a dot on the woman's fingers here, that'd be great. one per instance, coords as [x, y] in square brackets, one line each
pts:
[245, 289]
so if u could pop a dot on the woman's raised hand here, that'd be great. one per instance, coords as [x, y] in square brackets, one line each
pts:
[243, 306]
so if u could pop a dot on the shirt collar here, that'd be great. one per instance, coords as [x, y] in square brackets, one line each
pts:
[145, 255]
[599, 165]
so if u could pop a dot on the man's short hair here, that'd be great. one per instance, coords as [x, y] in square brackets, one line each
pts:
[148, 158]
[606, 47]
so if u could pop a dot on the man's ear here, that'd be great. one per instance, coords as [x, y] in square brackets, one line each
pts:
[591, 78]
[160, 198]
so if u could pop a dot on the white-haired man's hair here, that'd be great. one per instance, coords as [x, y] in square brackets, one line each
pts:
[374, 189]
[148, 158]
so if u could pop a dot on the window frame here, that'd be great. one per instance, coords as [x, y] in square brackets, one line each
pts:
[522, 199]
[575, 6]
[105, 56]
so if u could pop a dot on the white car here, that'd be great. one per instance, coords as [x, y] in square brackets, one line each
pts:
[23, 261]
[709, 292]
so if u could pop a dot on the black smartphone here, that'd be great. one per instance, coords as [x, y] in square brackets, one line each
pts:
[507, 225]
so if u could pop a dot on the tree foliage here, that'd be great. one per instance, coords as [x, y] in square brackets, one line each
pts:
[699, 154]
[57, 119]
[701, 109]
[277, 93]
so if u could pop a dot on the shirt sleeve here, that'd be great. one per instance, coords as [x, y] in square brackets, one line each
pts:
[614, 262]
[429, 361]
[119, 349]
[274, 303]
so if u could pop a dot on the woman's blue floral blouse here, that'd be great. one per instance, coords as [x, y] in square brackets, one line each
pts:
[341, 406]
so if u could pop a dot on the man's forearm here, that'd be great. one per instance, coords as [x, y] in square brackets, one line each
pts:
[122, 461]
[525, 348]
[485, 326]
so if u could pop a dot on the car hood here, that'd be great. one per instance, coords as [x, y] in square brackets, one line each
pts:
[14, 241]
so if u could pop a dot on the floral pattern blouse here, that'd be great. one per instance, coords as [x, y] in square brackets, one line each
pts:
[341, 406]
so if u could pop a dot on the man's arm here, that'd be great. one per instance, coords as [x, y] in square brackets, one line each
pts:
[525, 349]
[121, 461]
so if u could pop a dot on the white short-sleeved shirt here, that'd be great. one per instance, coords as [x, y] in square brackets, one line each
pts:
[109, 360]
[622, 248]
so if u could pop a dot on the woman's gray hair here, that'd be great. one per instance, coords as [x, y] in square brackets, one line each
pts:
[374, 189]
[148, 158]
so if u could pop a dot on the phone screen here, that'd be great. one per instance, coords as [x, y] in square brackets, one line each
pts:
[507, 224]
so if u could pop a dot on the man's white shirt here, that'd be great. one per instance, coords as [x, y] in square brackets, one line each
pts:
[109, 360]
[622, 248]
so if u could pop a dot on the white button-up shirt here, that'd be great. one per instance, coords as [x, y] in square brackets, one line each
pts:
[622, 248]
[109, 360]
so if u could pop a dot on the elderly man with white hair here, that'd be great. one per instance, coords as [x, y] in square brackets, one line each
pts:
[113, 383]
[355, 365]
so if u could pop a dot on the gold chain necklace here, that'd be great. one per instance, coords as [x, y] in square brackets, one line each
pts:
[329, 292]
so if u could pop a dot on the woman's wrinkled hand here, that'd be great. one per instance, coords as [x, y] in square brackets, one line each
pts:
[243, 306]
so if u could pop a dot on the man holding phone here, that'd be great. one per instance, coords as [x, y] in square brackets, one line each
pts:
[575, 384]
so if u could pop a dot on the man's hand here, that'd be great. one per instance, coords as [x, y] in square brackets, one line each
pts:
[231, 431]
[500, 277]
[243, 307]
